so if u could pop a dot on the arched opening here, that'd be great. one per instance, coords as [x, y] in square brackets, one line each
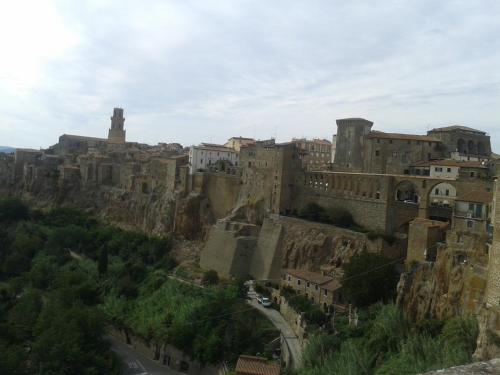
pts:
[407, 192]
[461, 146]
[442, 200]
[471, 147]
[481, 149]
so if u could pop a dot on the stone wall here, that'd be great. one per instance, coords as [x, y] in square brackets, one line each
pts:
[229, 248]
[222, 191]
[493, 290]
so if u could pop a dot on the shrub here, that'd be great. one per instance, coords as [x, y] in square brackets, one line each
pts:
[210, 277]
[369, 278]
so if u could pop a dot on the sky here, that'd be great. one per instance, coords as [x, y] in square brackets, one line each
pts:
[203, 71]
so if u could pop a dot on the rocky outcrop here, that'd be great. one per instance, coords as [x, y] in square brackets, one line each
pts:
[450, 286]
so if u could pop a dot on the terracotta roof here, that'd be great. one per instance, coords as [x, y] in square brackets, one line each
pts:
[476, 196]
[452, 163]
[248, 365]
[313, 277]
[332, 285]
[406, 137]
[456, 127]
[214, 147]
[81, 137]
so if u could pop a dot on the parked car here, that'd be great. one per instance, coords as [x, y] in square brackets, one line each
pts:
[264, 301]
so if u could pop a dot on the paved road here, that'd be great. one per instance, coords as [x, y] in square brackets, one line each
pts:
[280, 323]
[134, 363]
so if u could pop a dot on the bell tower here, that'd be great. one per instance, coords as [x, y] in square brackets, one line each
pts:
[117, 132]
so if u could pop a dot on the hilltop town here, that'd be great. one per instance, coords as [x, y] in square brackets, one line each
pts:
[253, 208]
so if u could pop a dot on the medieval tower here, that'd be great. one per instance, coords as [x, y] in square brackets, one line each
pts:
[351, 133]
[117, 132]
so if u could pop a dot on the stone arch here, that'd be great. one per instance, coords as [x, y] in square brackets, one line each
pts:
[407, 192]
[481, 148]
[461, 146]
[471, 147]
[443, 194]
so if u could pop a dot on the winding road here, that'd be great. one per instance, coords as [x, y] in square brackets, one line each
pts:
[134, 363]
[280, 323]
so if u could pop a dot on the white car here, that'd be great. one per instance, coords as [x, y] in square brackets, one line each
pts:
[264, 301]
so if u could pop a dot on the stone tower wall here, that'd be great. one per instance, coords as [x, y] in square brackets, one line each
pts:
[350, 144]
[493, 287]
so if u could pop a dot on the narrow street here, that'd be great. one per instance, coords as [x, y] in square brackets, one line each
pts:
[134, 363]
[280, 323]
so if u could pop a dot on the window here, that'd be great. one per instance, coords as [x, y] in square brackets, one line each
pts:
[316, 287]
[436, 192]
[448, 170]
[289, 278]
[470, 224]
[390, 141]
[394, 154]
[472, 174]
[298, 282]
[447, 192]
[308, 284]
[325, 292]
[377, 153]
[438, 169]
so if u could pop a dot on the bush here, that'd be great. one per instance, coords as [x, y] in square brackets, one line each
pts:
[12, 210]
[369, 278]
[210, 277]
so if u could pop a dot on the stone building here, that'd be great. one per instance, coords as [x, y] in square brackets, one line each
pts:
[117, 132]
[315, 153]
[322, 290]
[463, 143]
[349, 152]
[361, 149]
[268, 173]
[204, 156]
[237, 142]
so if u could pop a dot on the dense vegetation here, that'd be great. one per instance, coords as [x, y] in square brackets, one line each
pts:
[337, 217]
[369, 278]
[65, 277]
[386, 343]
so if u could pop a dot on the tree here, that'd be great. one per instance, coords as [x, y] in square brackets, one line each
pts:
[369, 278]
[102, 265]
[210, 277]
[12, 210]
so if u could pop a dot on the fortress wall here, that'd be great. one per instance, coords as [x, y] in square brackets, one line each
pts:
[266, 261]
[229, 249]
[222, 191]
[493, 286]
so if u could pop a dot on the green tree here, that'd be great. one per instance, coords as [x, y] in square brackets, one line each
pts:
[12, 210]
[210, 277]
[102, 264]
[369, 278]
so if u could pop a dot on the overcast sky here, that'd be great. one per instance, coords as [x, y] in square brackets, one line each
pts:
[191, 71]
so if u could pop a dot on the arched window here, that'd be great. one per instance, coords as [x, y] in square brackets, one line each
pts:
[461, 146]
[471, 147]
[481, 150]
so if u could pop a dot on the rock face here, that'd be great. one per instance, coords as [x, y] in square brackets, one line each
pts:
[442, 289]
[480, 368]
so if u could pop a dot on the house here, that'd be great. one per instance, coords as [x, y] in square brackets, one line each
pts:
[249, 365]
[324, 291]
[473, 211]
[205, 155]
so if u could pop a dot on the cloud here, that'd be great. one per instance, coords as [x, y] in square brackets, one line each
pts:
[193, 71]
